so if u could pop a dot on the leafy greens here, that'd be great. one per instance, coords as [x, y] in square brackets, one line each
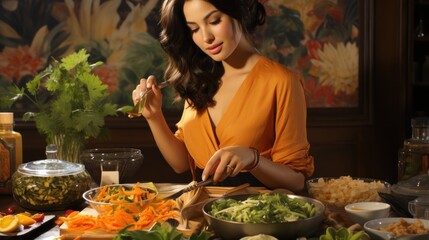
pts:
[263, 208]
[159, 231]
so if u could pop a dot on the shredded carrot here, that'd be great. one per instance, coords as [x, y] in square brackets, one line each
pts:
[119, 194]
[115, 220]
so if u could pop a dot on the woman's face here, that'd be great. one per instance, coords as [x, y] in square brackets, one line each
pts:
[214, 32]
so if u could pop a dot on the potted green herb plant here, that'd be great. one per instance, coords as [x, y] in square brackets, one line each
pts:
[73, 107]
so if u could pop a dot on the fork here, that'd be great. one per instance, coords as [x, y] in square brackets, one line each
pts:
[188, 189]
[138, 108]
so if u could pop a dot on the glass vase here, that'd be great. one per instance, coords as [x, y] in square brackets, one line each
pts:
[68, 148]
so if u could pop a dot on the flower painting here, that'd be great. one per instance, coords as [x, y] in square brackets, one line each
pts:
[318, 38]
[116, 32]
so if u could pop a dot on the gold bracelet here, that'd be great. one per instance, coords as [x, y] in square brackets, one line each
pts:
[256, 159]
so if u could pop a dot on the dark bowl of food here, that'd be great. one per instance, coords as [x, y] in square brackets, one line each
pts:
[281, 215]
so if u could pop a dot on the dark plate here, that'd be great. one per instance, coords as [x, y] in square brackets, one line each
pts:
[30, 232]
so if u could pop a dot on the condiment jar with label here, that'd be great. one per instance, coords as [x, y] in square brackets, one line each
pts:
[10, 151]
[414, 156]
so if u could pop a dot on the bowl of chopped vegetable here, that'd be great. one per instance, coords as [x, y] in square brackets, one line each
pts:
[397, 228]
[132, 198]
[281, 215]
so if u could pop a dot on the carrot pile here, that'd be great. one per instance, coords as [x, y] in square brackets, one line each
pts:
[114, 220]
[119, 194]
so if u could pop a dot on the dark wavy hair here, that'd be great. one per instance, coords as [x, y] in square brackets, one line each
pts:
[194, 74]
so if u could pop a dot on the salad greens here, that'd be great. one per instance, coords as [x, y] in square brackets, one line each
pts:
[342, 234]
[159, 231]
[263, 208]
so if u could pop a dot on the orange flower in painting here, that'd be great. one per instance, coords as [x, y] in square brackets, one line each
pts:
[319, 95]
[312, 47]
[17, 62]
[108, 75]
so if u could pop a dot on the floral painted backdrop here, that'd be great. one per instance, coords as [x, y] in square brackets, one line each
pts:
[316, 37]
[319, 39]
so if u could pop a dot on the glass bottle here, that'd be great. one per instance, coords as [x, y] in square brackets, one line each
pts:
[414, 156]
[420, 29]
[10, 151]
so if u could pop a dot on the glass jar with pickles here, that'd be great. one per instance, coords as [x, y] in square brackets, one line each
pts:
[414, 156]
[50, 184]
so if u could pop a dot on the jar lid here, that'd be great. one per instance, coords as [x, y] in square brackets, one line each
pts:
[6, 117]
[51, 167]
[415, 186]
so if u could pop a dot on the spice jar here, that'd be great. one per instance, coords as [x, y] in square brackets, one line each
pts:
[50, 184]
[414, 156]
[10, 151]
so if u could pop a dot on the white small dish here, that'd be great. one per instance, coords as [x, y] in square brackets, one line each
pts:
[372, 228]
[361, 212]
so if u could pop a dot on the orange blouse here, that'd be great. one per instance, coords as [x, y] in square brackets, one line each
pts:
[268, 112]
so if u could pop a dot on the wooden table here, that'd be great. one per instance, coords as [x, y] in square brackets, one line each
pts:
[51, 231]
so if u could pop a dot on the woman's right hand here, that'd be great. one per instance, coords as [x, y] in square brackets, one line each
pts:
[153, 99]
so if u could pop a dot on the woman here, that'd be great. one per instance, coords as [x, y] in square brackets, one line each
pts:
[244, 118]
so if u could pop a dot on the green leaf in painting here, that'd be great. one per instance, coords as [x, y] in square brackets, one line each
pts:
[286, 28]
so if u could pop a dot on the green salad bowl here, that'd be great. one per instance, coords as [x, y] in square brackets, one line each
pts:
[229, 230]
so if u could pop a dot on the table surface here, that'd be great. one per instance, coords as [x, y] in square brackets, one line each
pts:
[51, 231]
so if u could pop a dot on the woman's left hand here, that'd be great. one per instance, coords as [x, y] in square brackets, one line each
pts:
[228, 162]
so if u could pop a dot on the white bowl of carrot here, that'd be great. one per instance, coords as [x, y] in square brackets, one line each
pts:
[131, 198]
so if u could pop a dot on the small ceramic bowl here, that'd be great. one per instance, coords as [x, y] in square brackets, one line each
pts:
[361, 212]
